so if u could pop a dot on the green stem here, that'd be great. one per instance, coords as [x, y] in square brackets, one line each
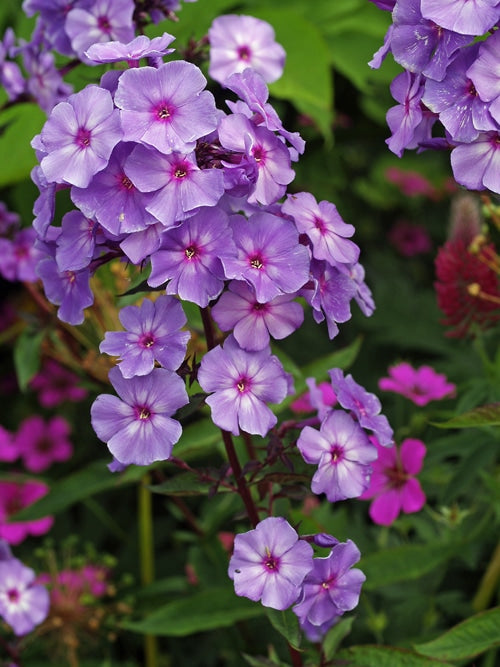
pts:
[146, 558]
[488, 582]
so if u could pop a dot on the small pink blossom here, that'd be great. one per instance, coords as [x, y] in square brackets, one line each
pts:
[42, 443]
[320, 397]
[393, 485]
[409, 239]
[420, 385]
[8, 448]
[14, 496]
[55, 384]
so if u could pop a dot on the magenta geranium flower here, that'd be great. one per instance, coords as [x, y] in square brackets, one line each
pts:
[393, 485]
[24, 603]
[420, 385]
[269, 563]
[42, 443]
[13, 497]
[55, 384]
[8, 447]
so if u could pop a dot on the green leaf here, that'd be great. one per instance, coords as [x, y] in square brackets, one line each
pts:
[384, 656]
[27, 356]
[287, 624]
[197, 439]
[467, 639]
[206, 610]
[339, 359]
[485, 415]
[335, 635]
[80, 485]
[185, 484]
[18, 125]
[261, 661]
[403, 563]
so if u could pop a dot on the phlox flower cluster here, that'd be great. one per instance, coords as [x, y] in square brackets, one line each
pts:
[451, 78]
[24, 602]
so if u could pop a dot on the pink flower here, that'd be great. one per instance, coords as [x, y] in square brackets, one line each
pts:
[42, 443]
[393, 485]
[13, 497]
[320, 397]
[409, 239]
[55, 384]
[8, 448]
[420, 385]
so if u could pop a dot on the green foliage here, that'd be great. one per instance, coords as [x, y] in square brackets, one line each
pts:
[18, 125]
[27, 356]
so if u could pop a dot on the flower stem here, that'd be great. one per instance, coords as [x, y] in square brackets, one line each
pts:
[146, 555]
[243, 489]
[488, 582]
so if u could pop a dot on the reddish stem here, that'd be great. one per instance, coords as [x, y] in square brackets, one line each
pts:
[243, 489]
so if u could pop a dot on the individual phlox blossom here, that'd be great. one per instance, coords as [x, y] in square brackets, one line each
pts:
[76, 243]
[238, 42]
[393, 486]
[137, 425]
[343, 454]
[53, 14]
[322, 223]
[24, 604]
[167, 107]
[55, 384]
[455, 99]
[139, 245]
[476, 165]
[320, 398]
[177, 184]
[331, 588]
[8, 447]
[70, 290]
[253, 322]
[140, 47]
[78, 137]
[152, 333]
[113, 199]
[45, 83]
[457, 269]
[19, 256]
[240, 383]
[269, 563]
[270, 257]
[191, 255]
[471, 17]
[11, 77]
[14, 496]
[420, 385]
[253, 93]
[404, 118]
[42, 443]
[421, 45]
[409, 239]
[264, 153]
[365, 406]
[485, 73]
[363, 294]
[102, 21]
[331, 296]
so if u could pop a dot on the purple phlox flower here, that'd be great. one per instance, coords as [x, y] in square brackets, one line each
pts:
[331, 297]
[191, 257]
[324, 227]
[11, 77]
[139, 47]
[240, 384]
[364, 405]
[138, 246]
[24, 604]
[9, 450]
[476, 165]
[363, 295]
[42, 443]
[420, 385]
[379, 55]
[113, 199]
[13, 497]
[420, 45]
[5, 551]
[103, 21]
[409, 239]
[270, 257]
[388, 5]
[9, 221]
[79, 136]
[44, 206]
[253, 92]
[254, 322]
[55, 384]
[70, 290]
[460, 109]
[393, 485]
[269, 563]
[471, 17]
[485, 73]
[76, 243]
[404, 118]
[19, 256]
[53, 14]
[138, 426]
[342, 452]
[265, 154]
[238, 42]
[45, 82]
[330, 589]
[320, 398]
[167, 107]
[178, 185]
[152, 333]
